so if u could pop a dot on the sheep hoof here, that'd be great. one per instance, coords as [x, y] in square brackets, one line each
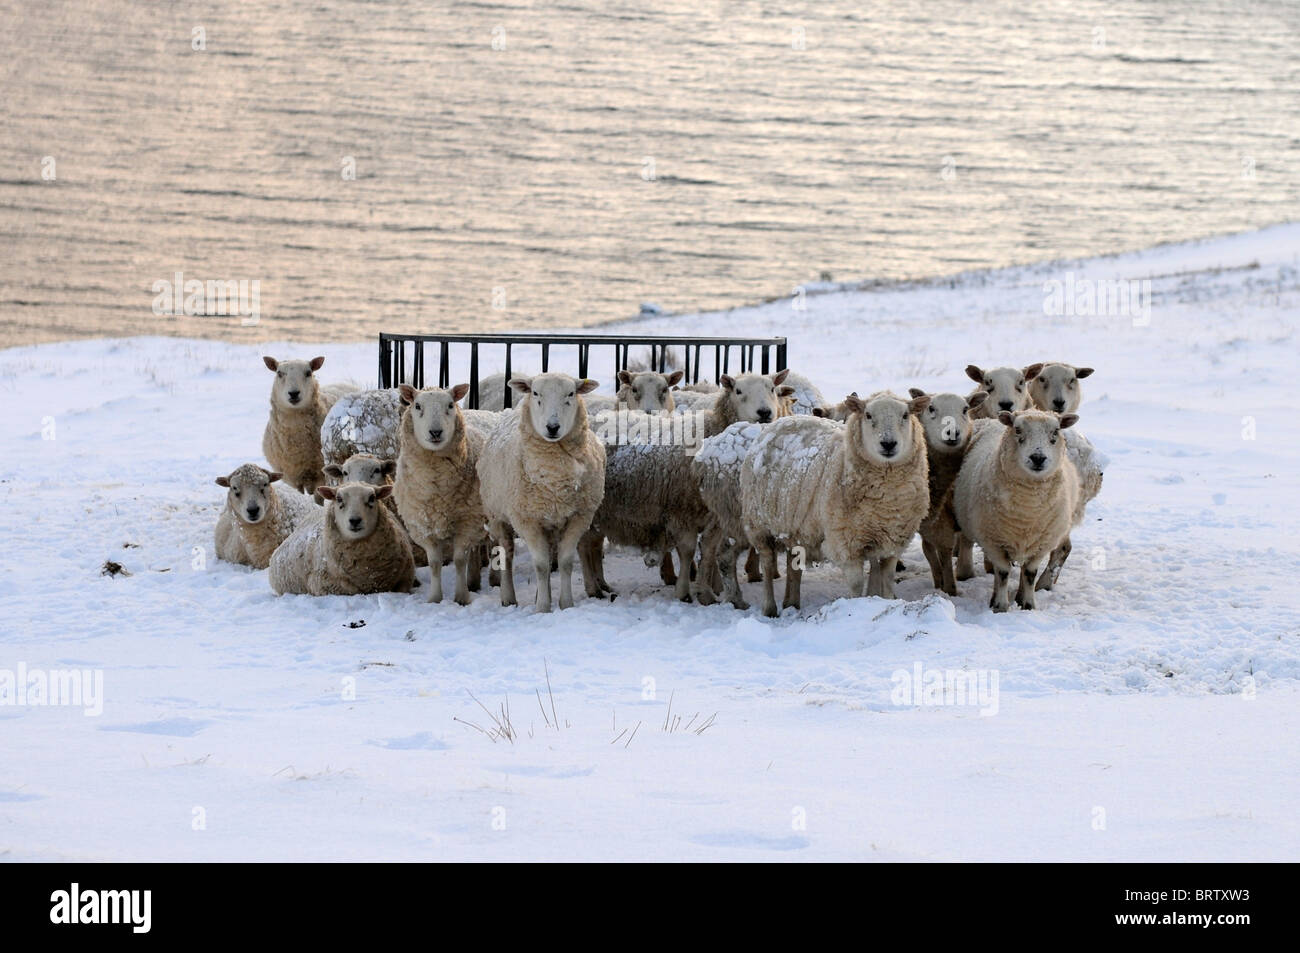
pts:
[687, 598]
[965, 574]
[770, 611]
[463, 600]
[740, 604]
[705, 598]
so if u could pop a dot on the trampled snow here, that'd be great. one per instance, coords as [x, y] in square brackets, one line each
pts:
[1147, 710]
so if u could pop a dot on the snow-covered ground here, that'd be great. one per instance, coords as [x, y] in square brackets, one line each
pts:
[1149, 710]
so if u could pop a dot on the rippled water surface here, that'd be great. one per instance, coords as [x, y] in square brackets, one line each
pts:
[525, 165]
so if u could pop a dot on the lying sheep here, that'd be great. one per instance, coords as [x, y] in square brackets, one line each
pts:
[367, 421]
[368, 468]
[652, 499]
[354, 546]
[856, 490]
[947, 427]
[299, 405]
[1016, 495]
[542, 474]
[1055, 388]
[437, 490]
[259, 516]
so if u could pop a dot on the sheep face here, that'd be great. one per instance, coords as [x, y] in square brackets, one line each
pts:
[362, 468]
[884, 422]
[947, 420]
[356, 507]
[295, 382]
[754, 397]
[1056, 388]
[1034, 437]
[249, 492]
[647, 390]
[553, 401]
[1006, 386]
[433, 414]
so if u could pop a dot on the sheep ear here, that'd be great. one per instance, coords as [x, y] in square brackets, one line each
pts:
[459, 391]
[625, 376]
[1083, 372]
[780, 376]
[334, 470]
[406, 393]
[785, 390]
[675, 377]
[974, 373]
[383, 492]
[853, 404]
[586, 385]
[977, 398]
[273, 476]
[388, 467]
[1033, 370]
[316, 362]
[271, 363]
[522, 384]
[326, 491]
[223, 481]
[1069, 420]
[916, 392]
[1007, 418]
[821, 412]
[918, 404]
[727, 382]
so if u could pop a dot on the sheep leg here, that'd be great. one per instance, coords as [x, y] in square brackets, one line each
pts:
[793, 579]
[504, 537]
[539, 548]
[988, 565]
[461, 558]
[965, 558]
[853, 575]
[730, 582]
[1025, 592]
[1059, 555]
[433, 549]
[666, 574]
[1001, 573]
[685, 557]
[767, 552]
[882, 577]
[710, 546]
[567, 549]
[474, 568]
[752, 571]
[589, 557]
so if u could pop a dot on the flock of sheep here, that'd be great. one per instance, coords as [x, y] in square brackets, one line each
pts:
[407, 477]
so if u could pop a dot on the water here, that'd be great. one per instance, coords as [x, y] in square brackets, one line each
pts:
[513, 188]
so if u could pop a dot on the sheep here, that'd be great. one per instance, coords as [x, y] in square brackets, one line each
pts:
[1055, 388]
[368, 421]
[646, 390]
[354, 546]
[806, 397]
[368, 468]
[1016, 495]
[947, 427]
[837, 412]
[542, 473]
[716, 469]
[652, 499]
[258, 516]
[854, 490]
[437, 489]
[299, 405]
[1006, 389]
[492, 392]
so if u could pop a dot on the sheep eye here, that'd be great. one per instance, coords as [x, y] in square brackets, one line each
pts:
[1042, 380]
[308, 374]
[636, 394]
[570, 393]
[932, 411]
[867, 415]
[371, 501]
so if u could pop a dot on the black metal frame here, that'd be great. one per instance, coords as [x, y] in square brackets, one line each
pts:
[393, 365]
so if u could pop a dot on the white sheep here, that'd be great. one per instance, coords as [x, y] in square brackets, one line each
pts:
[947, 427]
[1089, 464]
[1055, 388]
[354, 546]
[259, 515]
[437, 489]
[806, 397]
[1007, 389]
[716, 469]
[1015, 496]
[299, 405]
[542, 474]
[837, 412]
[652, 499]
[367, 421]
[855, 491]
[368, 468]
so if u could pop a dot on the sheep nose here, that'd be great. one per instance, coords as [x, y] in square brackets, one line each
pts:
[1006, 404]
[435, 435]
[1037, 458]
[764, 414]
[294, 395]
[887, 447]
[552, 430]
[1059, 404]
[355, 522]
[253, 511]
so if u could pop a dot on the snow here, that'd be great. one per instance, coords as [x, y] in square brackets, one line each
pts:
[1148, 710]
